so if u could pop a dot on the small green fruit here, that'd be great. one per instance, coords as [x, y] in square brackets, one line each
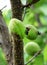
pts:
[31, 48]
[16, 26]
[32, 32]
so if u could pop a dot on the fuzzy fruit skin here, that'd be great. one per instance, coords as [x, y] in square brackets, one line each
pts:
[31, 48]
[16, 26]
[32, 33]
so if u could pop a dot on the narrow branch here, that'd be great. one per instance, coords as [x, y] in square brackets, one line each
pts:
[29, 4]
[4, 7]
[39, 52]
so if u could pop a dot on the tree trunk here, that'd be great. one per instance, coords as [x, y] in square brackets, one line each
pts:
[18, 55]
[17, 9]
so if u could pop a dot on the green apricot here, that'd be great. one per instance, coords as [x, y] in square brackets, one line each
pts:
[31, 48]
[32, 32]
[16, 26]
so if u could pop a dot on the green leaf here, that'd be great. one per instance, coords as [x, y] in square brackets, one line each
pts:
[45, 53]
[26, 40]
[7, 16]
[2, 58]
[27, 58]
[43, 19]
[39, 60]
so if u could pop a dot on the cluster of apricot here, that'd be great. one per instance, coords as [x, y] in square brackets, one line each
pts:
[16, 26]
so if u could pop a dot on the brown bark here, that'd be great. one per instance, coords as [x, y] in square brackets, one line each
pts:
[17, 9]
[17, 50]
[18, 55]
[5, 43]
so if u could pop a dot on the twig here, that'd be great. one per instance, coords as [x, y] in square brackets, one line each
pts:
[4, 7]
[29, 4]
[39, 52]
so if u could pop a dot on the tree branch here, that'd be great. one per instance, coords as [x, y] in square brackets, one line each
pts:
[5, 42]
[4, 7]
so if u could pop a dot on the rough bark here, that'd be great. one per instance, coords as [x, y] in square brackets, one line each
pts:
[17, 50]
[17, 9]
[18, 55]
[5, 43]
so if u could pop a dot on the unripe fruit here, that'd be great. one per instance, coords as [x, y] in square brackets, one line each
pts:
[16, 26]
[31, 48]
[32, 32]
